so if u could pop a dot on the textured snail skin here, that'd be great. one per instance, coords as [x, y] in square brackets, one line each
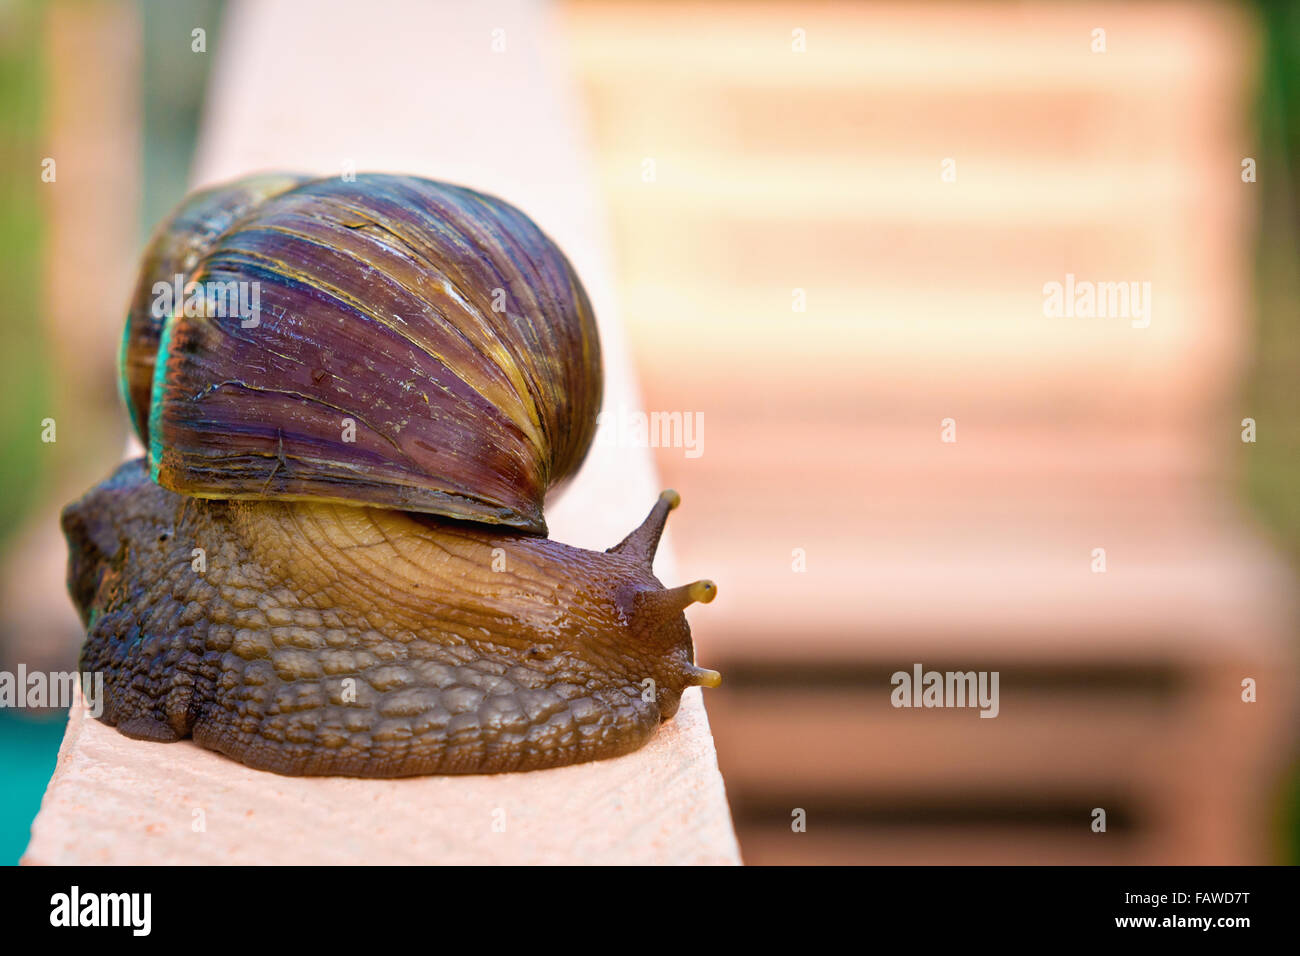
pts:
[332, 639]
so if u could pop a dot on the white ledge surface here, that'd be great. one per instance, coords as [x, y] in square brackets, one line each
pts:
[114, 800]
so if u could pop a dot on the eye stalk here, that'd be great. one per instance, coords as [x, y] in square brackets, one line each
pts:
[701, 592]
[642, 543]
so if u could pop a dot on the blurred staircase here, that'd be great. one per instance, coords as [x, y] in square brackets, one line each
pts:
[775, 171]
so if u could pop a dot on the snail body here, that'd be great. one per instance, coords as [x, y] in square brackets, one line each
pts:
[387, 605]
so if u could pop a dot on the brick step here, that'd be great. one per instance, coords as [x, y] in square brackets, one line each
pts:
[836, 845]
[728, 449]
[848, 189]
[1081, 123]
[832, 741]
[859, 261]
[1164, 747]
[892, 336]
[1044, 48]
[873, 589]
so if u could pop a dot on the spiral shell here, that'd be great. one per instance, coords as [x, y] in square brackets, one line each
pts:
[411, 345]
[175, 249]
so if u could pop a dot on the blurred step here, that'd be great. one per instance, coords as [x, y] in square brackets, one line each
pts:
[889, 845]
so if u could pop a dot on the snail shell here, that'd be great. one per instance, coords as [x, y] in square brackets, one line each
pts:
[416, 345]
[175, 249]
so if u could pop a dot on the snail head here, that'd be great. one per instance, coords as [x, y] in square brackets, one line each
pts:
[655, 614]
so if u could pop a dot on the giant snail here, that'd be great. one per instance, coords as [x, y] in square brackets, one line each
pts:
[362, 466]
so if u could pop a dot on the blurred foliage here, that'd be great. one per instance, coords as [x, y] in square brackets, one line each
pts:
[1273, 385]
[173, 85]
[24, 366]
[174, 80]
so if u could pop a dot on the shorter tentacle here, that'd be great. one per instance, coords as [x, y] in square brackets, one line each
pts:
[652, 607]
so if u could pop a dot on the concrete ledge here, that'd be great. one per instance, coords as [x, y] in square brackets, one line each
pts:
[114, 800]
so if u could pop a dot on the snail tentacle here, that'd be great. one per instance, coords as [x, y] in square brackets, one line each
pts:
[653, 606]
[643, 542]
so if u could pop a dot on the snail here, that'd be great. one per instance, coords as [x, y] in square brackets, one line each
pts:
[333, 558]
